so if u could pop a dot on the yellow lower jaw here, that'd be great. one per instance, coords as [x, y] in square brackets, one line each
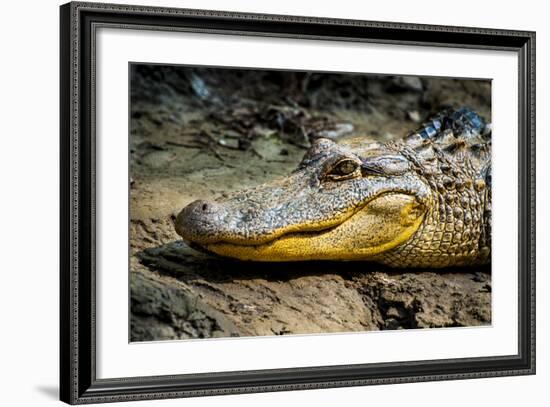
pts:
[383, 224]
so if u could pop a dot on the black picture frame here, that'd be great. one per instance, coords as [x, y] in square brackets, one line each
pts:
[78, 382]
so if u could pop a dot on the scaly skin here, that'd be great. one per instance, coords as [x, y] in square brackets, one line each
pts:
[423, 201]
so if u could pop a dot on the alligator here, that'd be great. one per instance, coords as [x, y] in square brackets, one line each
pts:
[423, 201]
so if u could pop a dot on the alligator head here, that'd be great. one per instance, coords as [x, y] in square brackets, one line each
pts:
[353, 200]
[340, 203]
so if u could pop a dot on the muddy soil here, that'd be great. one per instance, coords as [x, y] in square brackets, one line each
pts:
[197, 133]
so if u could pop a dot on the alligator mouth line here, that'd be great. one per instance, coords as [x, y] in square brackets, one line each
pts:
[379, 228]
[310, 233]
[306, 233]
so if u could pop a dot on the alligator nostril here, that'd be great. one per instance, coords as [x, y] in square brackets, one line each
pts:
[204, 208]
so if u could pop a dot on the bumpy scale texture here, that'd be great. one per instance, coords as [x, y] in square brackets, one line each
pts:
[452, 152]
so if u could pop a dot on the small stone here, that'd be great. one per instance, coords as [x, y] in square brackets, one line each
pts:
[337, 131]
[393, 313]
[229, 143]
[404, 83]
[414, 116]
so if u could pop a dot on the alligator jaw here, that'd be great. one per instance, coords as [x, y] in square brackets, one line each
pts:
[382, 224]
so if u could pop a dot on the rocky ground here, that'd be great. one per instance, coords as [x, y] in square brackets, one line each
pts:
[196, 133]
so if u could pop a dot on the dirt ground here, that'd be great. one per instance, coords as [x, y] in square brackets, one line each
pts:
[198, 132]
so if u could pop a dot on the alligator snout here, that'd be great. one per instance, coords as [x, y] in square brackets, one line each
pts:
[200, 221]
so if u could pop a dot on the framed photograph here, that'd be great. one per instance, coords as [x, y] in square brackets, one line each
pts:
[255, 203]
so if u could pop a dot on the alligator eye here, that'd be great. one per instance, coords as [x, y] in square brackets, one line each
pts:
[344, 169]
